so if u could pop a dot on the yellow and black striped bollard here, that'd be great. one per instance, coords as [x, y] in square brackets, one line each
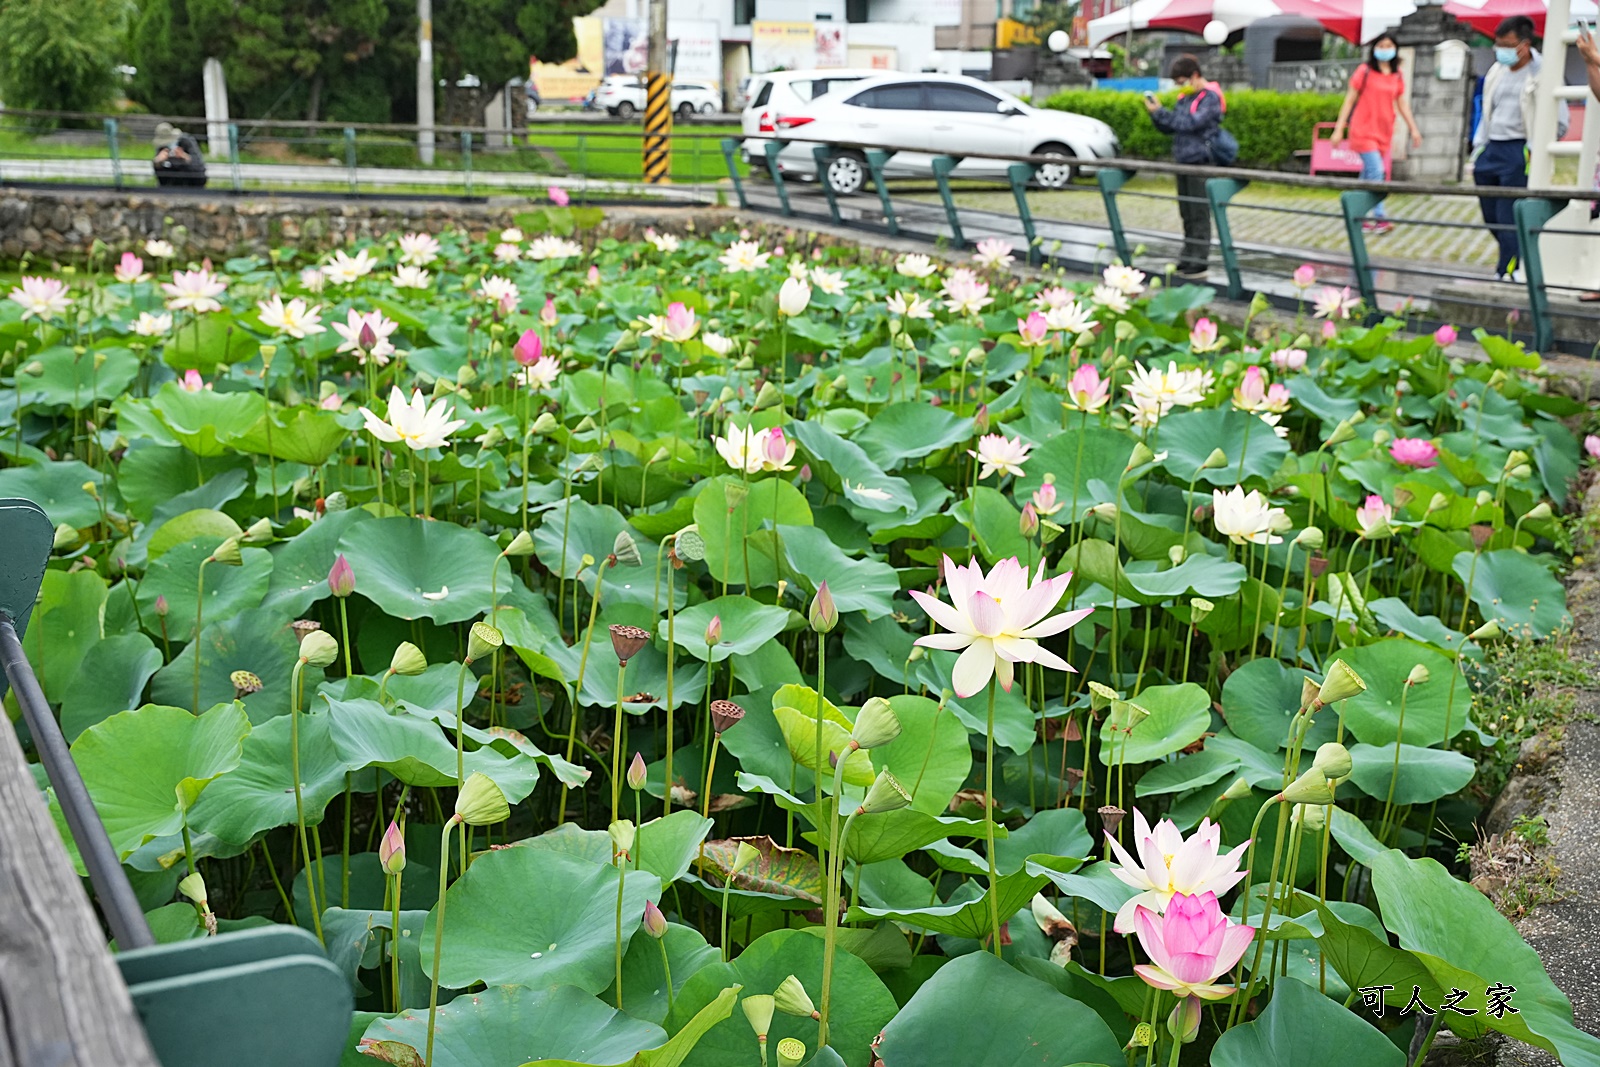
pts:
[658, 128]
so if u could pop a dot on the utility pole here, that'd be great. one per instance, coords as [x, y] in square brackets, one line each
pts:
[425, 81]
[658, 100]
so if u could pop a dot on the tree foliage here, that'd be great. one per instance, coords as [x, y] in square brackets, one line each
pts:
[60, 55]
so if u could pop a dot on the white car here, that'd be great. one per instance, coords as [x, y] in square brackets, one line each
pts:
[923, 115]
[623, 95]
[768, 97]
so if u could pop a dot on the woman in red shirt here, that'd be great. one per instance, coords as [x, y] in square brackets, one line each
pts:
[1377, 92]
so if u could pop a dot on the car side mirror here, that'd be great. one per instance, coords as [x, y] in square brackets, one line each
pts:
[1007, 110]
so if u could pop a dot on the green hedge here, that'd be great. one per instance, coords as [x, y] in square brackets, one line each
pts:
[1271, 127]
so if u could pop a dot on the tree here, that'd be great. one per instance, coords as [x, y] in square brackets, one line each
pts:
[60, 55]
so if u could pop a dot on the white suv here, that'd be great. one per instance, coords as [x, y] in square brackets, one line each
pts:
[623, 95]
[769, 97]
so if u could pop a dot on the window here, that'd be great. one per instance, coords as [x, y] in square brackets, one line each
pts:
[743, 12]
[822, 86]
[803, 89]
[947, 97]
[855, 10]
[903, 97]
[763, 95]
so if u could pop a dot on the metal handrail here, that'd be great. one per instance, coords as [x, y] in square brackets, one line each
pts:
[118, 903]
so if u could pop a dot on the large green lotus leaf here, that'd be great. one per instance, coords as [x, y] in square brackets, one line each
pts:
[893, 834]
[1056, 832]
[978, 1011]
[355, 936]
[861, 1005]
[838, 462]
[776, 870]
[441, 711]
[1424, 774]
[306, 436]
[1257, 766]
[154, 478]
[300, 565]
[1187, 772]
[191, 525]
[1362, 957]
[758, 744]
[1178, 715]
[644, 981]
[66, 624]
[202, 345]
[1013, 718]
[58, 488]
[746, 625]
[228, 590]
[1466, 944]
[416, 752]
[867, 585]
[1104, 459]
[668, 845]
[112, 679]
[910, 430]
[414, 569]
[504, 1026]
[722, 530]
[1261, 697]
[993, 522]
[1189, 438]
[1094, 883]
[589, 529]
[523, 916]
[1397, 615]
[258, 641]
[207, 423]
[1198, 575]
[799, 728]
[679, 1045]
[258, 794]
[145, 768]
[1303, 1028]
[932, 756]
[67, 379]
[646, 672]
[1516, 589]
[968, 917]
[1373, 715]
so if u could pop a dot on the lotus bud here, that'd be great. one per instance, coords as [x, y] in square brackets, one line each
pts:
[885, 794]
[341, 577]
[1538, 513]
[824, 614]
[636, 772]
[622, 834]
[744, 857]
[318, 649]
[791, 999]
[521, 545]
[1110, 818]
[65, 537]
[1238, 789]
[1310, 816]
[1051, 922]
[791, 1052]
[1311, 538]
[1218, 458]
[1522, 470]
[725, 715]
[1418, 675]
[980, 420]
[758, 1010]
[1184, 1021]
[1028, 524]
[1125, 330]
[1484, 498]
[655, 923]
[545, 424]
[482, 640]
[227, 553]
[625, 550]
[480, 802]
[714, 631]
[1101, 696]
[1381, 437]
[1516, 458]
[876, 724]
[161, 605]
[1107, 511]
[1341, 683]
[1487, 632]
[407, 660]
[392, 849]
[1333, 761]
[626, 641]
[1199, 609]
[1312, 787]
[259, 532]
[1177, 554]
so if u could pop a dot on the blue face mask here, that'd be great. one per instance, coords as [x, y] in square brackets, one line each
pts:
[1508, 56]
[1383, 55]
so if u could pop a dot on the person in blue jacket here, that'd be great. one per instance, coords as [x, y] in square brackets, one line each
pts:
[1193, 123]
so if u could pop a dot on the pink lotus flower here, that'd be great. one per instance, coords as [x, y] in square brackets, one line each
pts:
[331, 402]
[1087, 391]
[1033, 329]
[1418, 452]
[130, 269]
[776, 449]
[1374, 515]
[529, 347]
[1045, 499]
[1591, 445]
[680, 323]
[997, 621]
[548, 314]
[1445, 336]
[1203, 338]
[1288, 359]
[1278, 398]
[1000, 454]
[1251, 392]
[559, 197]
[1190, 946]
[594, 275]
[1305, 276]
[192, 382]
[42, 297]
[1168, 864]
[1329, 330]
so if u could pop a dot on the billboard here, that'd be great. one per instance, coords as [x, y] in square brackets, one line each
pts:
[698, 49]
[830, 50]
[782, 46]
[626, 44]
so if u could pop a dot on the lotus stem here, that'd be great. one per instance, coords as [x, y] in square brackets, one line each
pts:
[199, 611]
[438, 933]
[620, 862]
[988, 822]
[666, 967]
[616, 746]
[394, 944]
[577, 688]
[830, 897]
[299, 800]
[1394, 772]
[672, 649]
[820, 758]
[1266, 911]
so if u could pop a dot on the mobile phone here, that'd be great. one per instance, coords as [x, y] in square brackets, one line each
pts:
[1148, 95]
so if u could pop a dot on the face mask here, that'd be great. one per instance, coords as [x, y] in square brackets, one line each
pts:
[1383, 55]
[1507, 56]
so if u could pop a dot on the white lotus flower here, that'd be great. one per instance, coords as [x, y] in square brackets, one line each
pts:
[408, 277]
[828, 281]
[1112, 299]
[541, 373]
[497, 290]
[148, 325]
[911, 307]
[42, 298]
[793, 296]
[915, 265]
[1168, 864]
[312, 280]
[506, 252]
[867, 492]
[1124, 279]
[553, 247]
[717, 343]
[159, 249]
[1071, 317]
[744, 257]
[1247, 517]
[294, 318]
[343, 269]
[1001, 454]
[964, 293]
[993, 252]
[1054, 297]
[380, 349]
[415, 424]
[511, 235]
[752, 451]
[663, 242]
[418, 249]
[194, 290]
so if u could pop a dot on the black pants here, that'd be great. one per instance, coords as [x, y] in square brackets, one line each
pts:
[1195, 210]
[1503, 163]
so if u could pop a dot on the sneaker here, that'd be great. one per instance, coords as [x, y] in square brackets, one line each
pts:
[1380, 227]
[1193, 273]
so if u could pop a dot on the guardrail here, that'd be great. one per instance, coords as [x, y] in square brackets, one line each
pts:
[1248, 268]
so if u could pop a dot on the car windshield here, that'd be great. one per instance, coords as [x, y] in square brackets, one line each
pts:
[902, 96]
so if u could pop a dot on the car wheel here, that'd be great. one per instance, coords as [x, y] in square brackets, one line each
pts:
[1055, 175]
[847, 172]
[685, 111]
[625, 110]
[708, 109]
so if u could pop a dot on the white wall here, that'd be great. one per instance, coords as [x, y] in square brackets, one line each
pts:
[798, 10]
[913, 42]
[928, 12]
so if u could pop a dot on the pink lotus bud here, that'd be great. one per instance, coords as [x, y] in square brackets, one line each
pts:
[341, 577]
[392, 849]
[507, 305]
[529, 347]
[655, 923]
[1033, 329]
[1445, 336]
[775, 446]
[1028, 525]
[824, 614]
[980, 419]
[1305, 276]
[636, 772]
[161, 606]
[548, 314]
[1203, 337]
[192, 382]
[1329, 330]
[714, 630]
[559, 197]
[1591, 445]
[594, 275]
[1044, 499]
[805, 473]
[368, 337]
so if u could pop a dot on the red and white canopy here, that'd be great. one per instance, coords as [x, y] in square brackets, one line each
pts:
[1485, 15]
[1354, 20]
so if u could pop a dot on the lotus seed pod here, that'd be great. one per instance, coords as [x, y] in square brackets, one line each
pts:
[758, 1010]
[1312, 817]
[1110, 818]
[1311, 538]
[1333, 761]
[1141, 455]
[1539, 512]
[1341, 683]
[876, 724]
[791, 1052]
[482, 640]
[193, 888]
[319, 649]
[335, 502]
[1487, 632]
[791, 999]
[66, 536]
[1101, 696]
[625, 550]
[480, 802]
[521, 545]
[544, 425]
[886, 794]
[689, 545]
[1418, 676]
[1218, 458]
[626, 641]
[407, 660]
[1312, 787]
[744, 857]
[244, 683]
[725, 715]
[1237, 790]
[1199, 609]
[622, 834]
[260, 532]
[227, 553]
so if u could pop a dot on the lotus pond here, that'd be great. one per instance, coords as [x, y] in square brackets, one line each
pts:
[727, 651]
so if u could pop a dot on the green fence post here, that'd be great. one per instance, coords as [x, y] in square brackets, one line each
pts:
[877, 159]
[1021, 174]
[730, 153]
[942, 166]
[1218, 192]
[350, 157]
[1532, 215]
[821, 153]
[116, 152]
[233, 157]
[772, 148]
[1111, 180]
[1355, 203]
[466, 158]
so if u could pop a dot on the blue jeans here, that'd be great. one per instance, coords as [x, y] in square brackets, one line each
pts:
[1372, 171]
[1503, 163]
